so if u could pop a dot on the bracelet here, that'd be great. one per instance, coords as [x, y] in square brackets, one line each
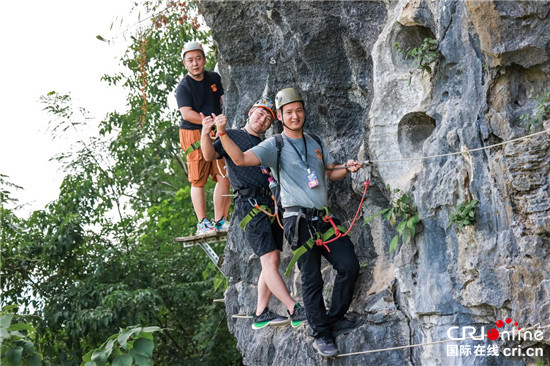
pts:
[222, 133]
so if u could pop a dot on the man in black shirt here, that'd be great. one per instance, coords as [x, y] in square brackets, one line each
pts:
[251, 185]
[199, 96]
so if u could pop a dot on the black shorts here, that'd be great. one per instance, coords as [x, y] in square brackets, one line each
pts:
[262, 235]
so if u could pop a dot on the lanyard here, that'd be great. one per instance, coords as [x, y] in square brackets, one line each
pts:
[297, 152]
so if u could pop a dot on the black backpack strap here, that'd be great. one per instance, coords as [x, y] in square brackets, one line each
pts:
[279, 144]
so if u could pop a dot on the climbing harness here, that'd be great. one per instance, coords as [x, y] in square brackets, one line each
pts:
[194, 146]
[334, 233]
[255, 210]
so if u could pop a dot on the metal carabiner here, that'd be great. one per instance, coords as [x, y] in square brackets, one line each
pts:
[368, 168]
[253, 204]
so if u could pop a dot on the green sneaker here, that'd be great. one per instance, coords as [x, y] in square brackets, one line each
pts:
[267, 317]
[298, 316]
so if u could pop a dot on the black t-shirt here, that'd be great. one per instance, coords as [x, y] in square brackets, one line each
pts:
[202, 96]
[241, 176]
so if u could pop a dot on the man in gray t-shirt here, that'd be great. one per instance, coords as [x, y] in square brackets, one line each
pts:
[303, 166]
[294, 170]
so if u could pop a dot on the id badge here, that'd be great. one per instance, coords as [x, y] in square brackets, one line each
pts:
[312, 180]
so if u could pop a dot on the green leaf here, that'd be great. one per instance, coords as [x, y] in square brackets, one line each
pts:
[100, 38]
[392, 219]
[28, 347]
[34, 360]
[393, 244]
[124, 360]
[8, 308]
[401, 226]
[151, 329]
[5, 320]
[87, 357]
[14, 355]
[140, 360]
[127, 333]
[21, 326]
[99, 356]
[406, 235]
[144, 347]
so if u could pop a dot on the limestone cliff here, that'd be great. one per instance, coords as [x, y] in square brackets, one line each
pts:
[342, 56]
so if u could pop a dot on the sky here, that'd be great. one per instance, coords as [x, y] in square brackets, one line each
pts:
[52, 45]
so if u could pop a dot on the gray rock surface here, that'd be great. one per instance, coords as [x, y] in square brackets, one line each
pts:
[358, 98]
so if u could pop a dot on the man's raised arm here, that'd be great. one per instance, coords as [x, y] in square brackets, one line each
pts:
[207, 147]
[239, 158]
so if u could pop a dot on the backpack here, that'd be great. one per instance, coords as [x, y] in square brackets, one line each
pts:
[279, 142]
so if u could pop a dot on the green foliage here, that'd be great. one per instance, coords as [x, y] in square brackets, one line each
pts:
[464, 215]
[541, 111]
[17, 347]
[401, 213]
[219, 279]
[131, 346]
[423, 56]
[101, 257]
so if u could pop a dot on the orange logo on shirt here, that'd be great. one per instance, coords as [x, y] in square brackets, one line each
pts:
[318, 152]
[214, 87]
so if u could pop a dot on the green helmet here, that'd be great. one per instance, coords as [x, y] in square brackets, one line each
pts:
[191, 46]
[286, 96]
[267, 104]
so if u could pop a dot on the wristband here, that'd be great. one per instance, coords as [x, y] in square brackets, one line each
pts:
[222, 133]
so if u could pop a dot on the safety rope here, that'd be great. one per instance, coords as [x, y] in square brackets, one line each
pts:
[367, 162]
[431, 343]
[460, 152]
[337, 232]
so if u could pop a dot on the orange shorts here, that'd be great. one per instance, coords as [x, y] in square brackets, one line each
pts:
[199, 169]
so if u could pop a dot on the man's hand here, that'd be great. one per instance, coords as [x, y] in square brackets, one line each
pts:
[221, 122]
[353, 165]
[207, 124]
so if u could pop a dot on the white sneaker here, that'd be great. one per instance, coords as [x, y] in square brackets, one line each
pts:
[205, 227]
[222, 225]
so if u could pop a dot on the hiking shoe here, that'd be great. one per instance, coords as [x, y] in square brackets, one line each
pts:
[325, 347]
[204, 227]
[345, 326]
[298, 316]
[267, 317]
[222, 225]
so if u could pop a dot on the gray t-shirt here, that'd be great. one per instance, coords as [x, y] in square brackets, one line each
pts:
[293, 170]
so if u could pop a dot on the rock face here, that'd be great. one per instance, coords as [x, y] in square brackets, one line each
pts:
[342, 56]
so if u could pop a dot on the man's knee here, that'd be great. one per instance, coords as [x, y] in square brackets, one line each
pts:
[349, 268]
[271, 259]
[223, 181]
